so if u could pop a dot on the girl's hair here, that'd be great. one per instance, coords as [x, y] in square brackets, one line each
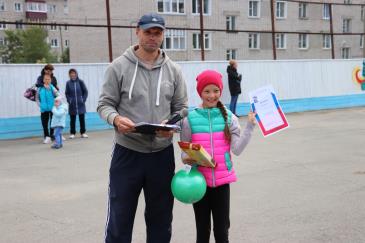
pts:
[49, 67]
[227, 133]
[72, 70]
[232, 62]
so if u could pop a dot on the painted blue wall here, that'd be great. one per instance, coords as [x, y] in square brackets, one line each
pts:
[11, 128]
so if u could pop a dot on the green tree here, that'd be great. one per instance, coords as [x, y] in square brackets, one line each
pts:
[65, 57]
[11, 50]
[27, 46]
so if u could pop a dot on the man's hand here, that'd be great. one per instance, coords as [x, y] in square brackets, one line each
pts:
[123, 124]
[165, 134]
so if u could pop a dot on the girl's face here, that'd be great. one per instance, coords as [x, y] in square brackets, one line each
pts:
[57, 103]
[210, 96]
[47, 80]
[73, 75]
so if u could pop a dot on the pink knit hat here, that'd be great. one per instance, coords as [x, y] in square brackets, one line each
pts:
[208, 77]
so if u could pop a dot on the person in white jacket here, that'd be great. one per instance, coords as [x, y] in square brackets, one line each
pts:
[59, 111]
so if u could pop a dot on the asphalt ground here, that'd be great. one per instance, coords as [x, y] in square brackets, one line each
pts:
[304, 184]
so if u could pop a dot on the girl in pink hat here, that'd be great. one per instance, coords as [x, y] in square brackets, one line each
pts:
[218, 130]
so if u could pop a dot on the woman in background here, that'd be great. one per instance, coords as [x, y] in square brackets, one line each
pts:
[76, 95]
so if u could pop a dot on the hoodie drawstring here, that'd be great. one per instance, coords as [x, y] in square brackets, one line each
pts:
[158, 84]
[158, 87]
[133, 80]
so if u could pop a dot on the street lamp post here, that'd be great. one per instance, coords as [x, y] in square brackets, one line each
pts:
[109, 31]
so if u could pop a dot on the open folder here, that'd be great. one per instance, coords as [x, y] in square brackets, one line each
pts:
[149, 128]
[198, 153]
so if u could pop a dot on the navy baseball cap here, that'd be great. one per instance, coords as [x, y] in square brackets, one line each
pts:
[151, 20]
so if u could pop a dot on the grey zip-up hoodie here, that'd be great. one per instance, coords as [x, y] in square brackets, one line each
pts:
[132, 90]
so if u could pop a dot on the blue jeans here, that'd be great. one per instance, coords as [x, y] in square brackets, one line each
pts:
[58, 135]
[233, 104]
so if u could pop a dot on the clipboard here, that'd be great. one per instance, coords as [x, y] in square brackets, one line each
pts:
[150, 128]
[198, 153]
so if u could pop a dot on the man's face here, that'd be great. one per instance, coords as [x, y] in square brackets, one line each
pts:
[150, 39]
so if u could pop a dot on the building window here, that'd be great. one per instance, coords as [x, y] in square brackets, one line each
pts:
[66, 27]
[52, 8]
[361, 41]
[231, 54]
[280, 41]
[65, 6]
[347, 1]
[3, 59]
[18, 7]
[19, 24]
[303, 41]
[280, 9]
[174, 40]
[53, 27]
[345, 52]
[346, 25]
[2, 6]
[67, 43]
[171, 6]
[362, 12]
[326, 42]
[54, 43]
[326, 11]
[2, 26]
[254, 8]
[2, 41]
[230, 22]
[254, 41]
[36, 7]
[303, 10]
[207, 41]
[206, 7]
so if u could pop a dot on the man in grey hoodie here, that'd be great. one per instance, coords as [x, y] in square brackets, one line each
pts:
[142, 85]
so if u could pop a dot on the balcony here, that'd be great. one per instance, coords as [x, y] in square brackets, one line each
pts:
[36, 10]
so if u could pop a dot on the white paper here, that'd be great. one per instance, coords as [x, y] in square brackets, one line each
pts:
[266, 109]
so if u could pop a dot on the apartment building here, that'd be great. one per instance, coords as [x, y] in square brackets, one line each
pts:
[239, 29]
[37, 11]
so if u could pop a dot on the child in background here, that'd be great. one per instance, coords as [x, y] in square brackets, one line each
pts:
[45, 100]
[59, 111]
[215, 127]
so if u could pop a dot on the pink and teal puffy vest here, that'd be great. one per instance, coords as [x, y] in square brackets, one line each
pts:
[207, 129]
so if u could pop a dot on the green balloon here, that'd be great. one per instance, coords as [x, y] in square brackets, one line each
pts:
[188, 187]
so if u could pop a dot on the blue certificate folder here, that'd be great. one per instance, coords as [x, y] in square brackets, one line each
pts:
[149, 128]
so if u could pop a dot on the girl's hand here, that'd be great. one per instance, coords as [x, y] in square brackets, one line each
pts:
[189, 161]
[251, 117]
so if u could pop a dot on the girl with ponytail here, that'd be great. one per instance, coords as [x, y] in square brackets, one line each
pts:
[218, 130]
